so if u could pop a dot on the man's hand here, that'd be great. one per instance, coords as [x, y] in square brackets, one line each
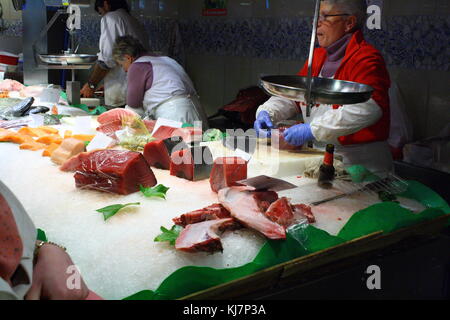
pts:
[298, 135]
[50, 277]
[262, 122]
[87, 92]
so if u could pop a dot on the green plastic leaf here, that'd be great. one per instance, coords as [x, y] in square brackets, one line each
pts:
[158, 191]
[110, 211]
[169, 235]
[360, 173]
[86, 143]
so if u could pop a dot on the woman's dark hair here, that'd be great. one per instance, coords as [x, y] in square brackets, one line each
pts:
[127, 45]
[115, 5]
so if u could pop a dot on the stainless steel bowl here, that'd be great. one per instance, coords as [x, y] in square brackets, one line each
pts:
[68, 59]
[326, 91]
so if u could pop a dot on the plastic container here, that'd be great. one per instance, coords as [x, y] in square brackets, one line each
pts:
[7, 58]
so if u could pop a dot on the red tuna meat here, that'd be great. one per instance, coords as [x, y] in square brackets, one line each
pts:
[264, 199]
[188, 134]
[182, 164]
[278, 141]
[226, 171]
[212, 212]
[280, 212]
[303, 210]
[203, 236]
[157, 153]
[244, 207]
[112, 171]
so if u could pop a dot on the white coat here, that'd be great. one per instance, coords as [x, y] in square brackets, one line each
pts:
[116, 24]
[172, 94]
[327, 124]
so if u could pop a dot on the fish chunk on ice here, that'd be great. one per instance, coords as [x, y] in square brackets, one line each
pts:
[245, 208]
[203, 236]
[114, 171]
[212, 212]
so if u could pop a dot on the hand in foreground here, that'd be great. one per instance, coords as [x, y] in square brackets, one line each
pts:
[262, 122]
[87, 92]
[52, 276]
[298, 135]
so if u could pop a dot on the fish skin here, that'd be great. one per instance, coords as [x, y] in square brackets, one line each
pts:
[244, 208]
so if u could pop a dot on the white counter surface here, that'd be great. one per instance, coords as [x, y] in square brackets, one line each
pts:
[118, 257]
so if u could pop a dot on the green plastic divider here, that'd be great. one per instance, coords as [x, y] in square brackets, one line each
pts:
[300, 241]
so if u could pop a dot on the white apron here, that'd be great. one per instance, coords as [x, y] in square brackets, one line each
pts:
[184, 108]
[172, 95]
[115, 87]
[375, 156]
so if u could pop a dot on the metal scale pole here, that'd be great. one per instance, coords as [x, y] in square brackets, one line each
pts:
[308, 97]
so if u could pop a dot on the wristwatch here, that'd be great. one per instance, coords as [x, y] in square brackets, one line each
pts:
[40, 244]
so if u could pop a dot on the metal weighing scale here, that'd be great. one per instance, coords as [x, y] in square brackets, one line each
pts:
[68, 60]
[314, 89]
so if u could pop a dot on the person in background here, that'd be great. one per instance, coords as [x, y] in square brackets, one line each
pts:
[30, 269]
[158, 87]
[358, 131]
[116, 21]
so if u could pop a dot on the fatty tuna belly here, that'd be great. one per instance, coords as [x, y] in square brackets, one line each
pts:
[114, 171]
[157, 155]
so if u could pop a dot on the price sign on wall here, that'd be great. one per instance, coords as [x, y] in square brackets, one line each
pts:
[215, 8]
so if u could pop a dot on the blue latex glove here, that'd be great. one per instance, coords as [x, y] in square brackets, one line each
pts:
[263, 122]
[298, 135]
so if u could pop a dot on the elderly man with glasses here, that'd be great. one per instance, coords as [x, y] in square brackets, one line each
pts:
[359, 131]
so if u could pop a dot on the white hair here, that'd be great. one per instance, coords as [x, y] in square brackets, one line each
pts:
[357, 8]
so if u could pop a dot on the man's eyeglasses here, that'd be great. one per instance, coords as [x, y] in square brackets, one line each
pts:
[323, 17]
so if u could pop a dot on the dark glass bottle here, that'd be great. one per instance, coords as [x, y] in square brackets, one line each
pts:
[326, 170]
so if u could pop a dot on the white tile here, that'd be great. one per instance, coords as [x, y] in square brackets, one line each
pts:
[409, 7]
[263, 67]
[443, 7]
[438, 103]
[290, 67]
[413, 87]
[240, 8]
[238, 75]
[207, 73]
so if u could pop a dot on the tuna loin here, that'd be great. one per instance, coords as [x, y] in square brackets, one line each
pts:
[114, 171]
[244, 207]
[212, 212]
[203, 236]
[194, 163]
[157, 153]
[226, 171]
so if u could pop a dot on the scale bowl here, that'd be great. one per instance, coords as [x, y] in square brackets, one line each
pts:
[324, 90]
[68, 59]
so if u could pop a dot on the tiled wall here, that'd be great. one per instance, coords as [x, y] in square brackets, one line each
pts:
[225, 54]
